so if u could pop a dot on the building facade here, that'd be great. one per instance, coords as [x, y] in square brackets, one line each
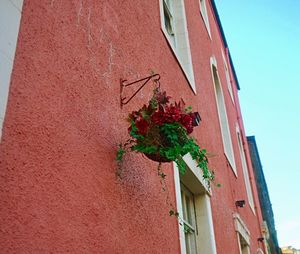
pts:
[270, 233]
[62, 123]
[289, 250]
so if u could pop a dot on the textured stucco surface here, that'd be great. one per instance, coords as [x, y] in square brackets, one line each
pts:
[59, 192]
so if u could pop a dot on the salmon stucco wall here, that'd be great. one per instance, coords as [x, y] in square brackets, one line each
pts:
[59, 192]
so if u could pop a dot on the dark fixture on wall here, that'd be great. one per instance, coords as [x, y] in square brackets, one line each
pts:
[196, 119]
[260, 239]
[240, 203]
[142, 82]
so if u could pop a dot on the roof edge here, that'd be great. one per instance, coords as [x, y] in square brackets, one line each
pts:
[225, 42]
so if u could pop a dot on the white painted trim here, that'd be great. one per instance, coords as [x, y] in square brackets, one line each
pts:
[259, 251]
[246, 249]
[245, 169]
[193, 179]
[204, 14]
[185, 62]
[179, 208]
[265, 230]
[241, 228]
[224, 123]
[206, 235]
[197, 172]
[227, 74]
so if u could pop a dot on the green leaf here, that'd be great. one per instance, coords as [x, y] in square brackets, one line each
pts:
[120, 153]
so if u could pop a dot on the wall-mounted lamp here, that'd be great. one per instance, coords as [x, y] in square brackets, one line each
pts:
[260, 239]
[196, 119]
[240, 203]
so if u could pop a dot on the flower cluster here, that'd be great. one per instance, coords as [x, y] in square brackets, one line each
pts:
[159, 112]
[160, 130]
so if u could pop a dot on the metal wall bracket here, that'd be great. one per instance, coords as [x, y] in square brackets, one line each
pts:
[144, 81]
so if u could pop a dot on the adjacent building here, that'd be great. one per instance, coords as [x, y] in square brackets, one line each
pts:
[269, 230]
[61, 65]
[289, 250]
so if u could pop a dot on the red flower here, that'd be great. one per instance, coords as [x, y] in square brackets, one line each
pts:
[173, 114]
[187, 122]
[158, 118]
[162, 98]
[142, 126]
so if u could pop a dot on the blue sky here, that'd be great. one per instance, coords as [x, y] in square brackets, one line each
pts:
[264, 41]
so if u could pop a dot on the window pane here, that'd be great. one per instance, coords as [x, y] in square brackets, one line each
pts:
[168, 18]
[189, 218]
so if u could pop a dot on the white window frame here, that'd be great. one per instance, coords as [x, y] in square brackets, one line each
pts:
[193, 180]
[243, 234]
[245, 169]
[259, 251]
[243, 246]
[189, 218]
[222, 113]
[179, 41]
[227, 74]
[168, 9]
[204, 14]
[10, 16]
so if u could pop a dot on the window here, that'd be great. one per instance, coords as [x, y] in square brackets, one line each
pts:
[168, 17]
[174, 27]
[259, 251]
[243, 234]
[227, 76]
[204, 15]
[245, 169]
[244, 247]
[189, 219]
[266, 236]
[225, 131]
[193, 203]
[169, 20]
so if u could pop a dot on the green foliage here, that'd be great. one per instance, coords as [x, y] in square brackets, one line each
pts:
[181, 165]
[163, 129]
[188, 109]
[153, 102]
[139, 147]
[120, 153]
[173, 144]
[134, 132]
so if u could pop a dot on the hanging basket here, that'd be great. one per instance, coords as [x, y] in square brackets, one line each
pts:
[162, 127]
[156, 157]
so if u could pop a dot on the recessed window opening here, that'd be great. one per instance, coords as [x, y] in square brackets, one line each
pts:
[189, 218]
[244, 247]
[196, 230]
[225, 131]
[204, 14]
[227, 76]
[245, 169]
[168, 18]
[174, 27]
[243, 234]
